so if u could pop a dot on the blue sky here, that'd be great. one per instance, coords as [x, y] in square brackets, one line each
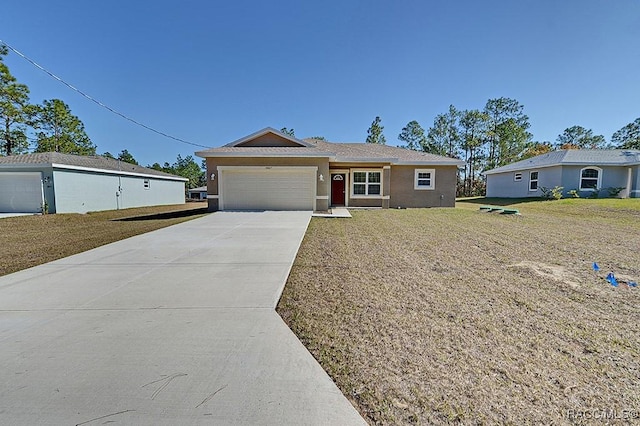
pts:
[211, 72]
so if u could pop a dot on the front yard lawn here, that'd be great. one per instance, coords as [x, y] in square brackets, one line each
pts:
[28, 241]
[433, 316]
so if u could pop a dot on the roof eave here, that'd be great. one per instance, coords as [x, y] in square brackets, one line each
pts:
[564, 163]
[428, 163]
[117, 172]
[205, 154]
[24, 165]
[338, 159]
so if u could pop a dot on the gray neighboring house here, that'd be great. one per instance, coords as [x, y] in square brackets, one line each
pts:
[79, 184]
[585, 170]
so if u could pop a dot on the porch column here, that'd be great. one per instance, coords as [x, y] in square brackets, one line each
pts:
[386, 186]
[627, 192]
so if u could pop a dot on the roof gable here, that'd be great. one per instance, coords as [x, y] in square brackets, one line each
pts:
[269, 138]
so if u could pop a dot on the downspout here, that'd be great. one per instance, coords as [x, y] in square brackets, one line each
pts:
[43, 202]
[119, 190]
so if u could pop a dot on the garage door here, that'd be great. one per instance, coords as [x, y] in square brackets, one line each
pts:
[20, 192]
[275, 188]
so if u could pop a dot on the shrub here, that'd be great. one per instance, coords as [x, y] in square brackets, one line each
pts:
[574, 193]
[615, 191]
[595, 193]
[552, 193]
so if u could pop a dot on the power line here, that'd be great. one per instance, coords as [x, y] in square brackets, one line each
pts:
[32, 62]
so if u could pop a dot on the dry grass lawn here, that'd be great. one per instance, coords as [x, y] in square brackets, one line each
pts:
[435, 316]
[28, 241]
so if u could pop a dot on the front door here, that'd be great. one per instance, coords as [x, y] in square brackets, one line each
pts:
[337, 189]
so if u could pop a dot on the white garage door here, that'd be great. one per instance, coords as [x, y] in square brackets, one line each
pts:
[275, 188]
[20, 192]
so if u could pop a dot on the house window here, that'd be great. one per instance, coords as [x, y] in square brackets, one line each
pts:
[517, 177]
[590, 178]
[424, 179]
[366, 183]
[147, 185]
[533, 181]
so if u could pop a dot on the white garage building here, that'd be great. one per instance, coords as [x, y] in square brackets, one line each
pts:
[79, 184]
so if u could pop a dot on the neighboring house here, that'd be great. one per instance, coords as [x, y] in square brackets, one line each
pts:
[78, 184]
[270, 170]
[583, 170]
[199, 193]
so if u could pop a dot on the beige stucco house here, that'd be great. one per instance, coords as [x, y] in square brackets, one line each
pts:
[270, 170]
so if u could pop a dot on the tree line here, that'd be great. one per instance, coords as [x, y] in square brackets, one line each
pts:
[51, 127]
[494, 136]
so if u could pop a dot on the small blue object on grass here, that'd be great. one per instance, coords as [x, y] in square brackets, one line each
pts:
[612, 279]
[632, 284]
[596, 267]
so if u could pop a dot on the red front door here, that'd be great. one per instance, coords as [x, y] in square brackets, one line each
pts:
[337, 189]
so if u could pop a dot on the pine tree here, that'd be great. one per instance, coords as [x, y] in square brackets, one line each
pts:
[15, 111]
[374, 134]
[413, 135]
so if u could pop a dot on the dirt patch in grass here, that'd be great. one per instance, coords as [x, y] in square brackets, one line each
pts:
[434, 316]
[33, 240]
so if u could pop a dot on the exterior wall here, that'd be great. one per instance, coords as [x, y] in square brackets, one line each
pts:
[635, 182]
[322, 188]
[380, 202]
[270, 140]
[612, 177]
[503, 185]
[403, 193]
[81, 192]
[397, 182]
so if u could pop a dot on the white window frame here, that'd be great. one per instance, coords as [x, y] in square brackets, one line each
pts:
[517, 177]
[366, 184]
[146, 184]
[599, 179]
[416, 184]
[536, 180]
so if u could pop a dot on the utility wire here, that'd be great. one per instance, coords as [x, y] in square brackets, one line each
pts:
[32, 62]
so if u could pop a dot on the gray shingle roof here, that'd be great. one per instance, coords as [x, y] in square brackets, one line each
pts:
[372, 151]
[81, 161]
[352, 152]
[586, 157]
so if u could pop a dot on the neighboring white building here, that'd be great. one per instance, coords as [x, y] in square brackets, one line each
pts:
[79, 184]
[199, 193]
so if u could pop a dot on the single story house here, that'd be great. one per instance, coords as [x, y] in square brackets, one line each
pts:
[199, 193]
[270, 170]
[68, 183]
[583, 170]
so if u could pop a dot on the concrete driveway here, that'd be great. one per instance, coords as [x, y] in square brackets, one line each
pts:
[173, 327]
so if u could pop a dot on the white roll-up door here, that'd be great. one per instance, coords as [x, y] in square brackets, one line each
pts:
[268, 188]
[20, 192]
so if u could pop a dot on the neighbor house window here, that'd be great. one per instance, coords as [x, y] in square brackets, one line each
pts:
[367, 183]
[590, 178]
[147, 185]
[533, 181]
[424, 179]
[517, 177]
